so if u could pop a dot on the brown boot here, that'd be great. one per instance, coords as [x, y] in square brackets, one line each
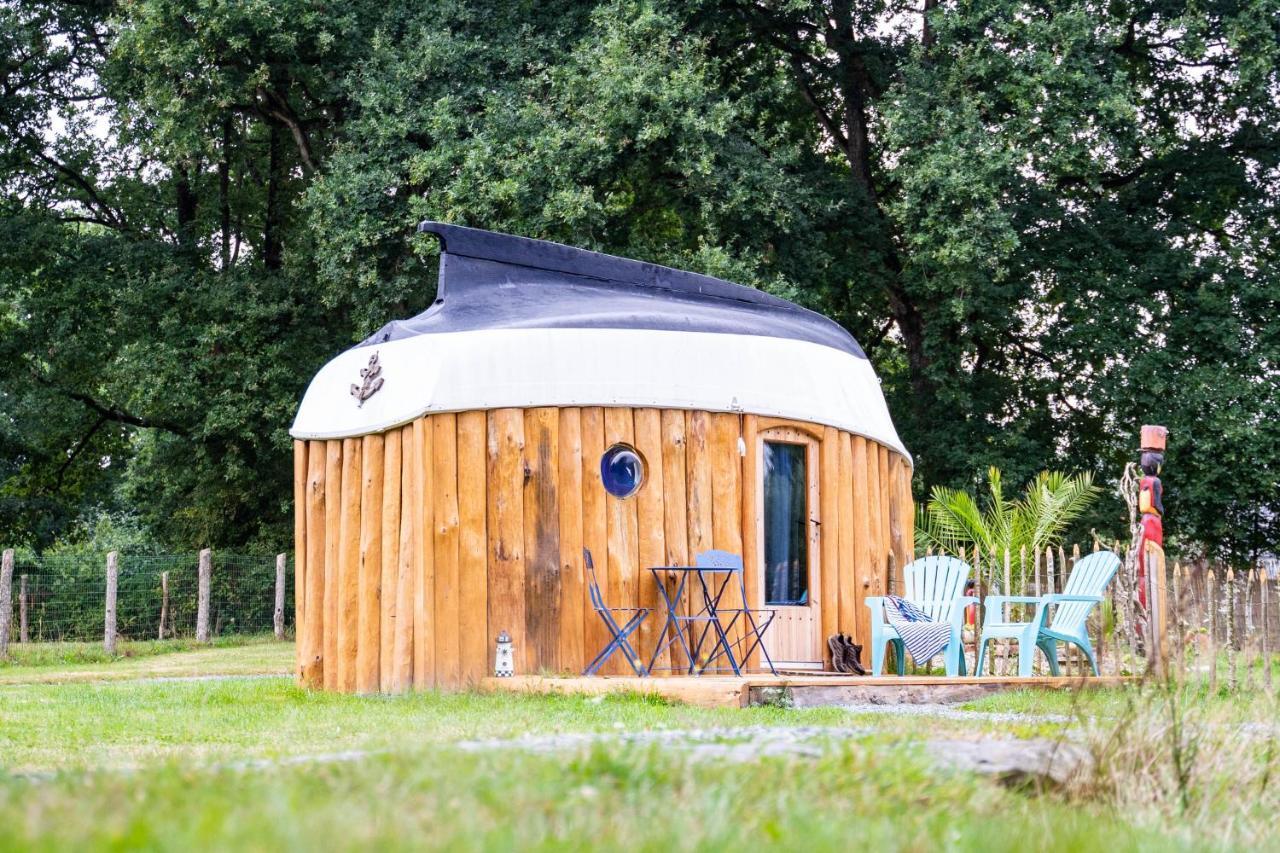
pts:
[836, 645]
[853, 657]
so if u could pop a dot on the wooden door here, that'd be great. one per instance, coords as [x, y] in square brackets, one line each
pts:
[787, 515]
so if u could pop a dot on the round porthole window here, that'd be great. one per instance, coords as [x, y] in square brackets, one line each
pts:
[622, 470]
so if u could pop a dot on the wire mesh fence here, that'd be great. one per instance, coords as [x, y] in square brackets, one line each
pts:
[63, 598]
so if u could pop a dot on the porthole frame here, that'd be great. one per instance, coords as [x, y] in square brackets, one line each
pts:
[612, 454]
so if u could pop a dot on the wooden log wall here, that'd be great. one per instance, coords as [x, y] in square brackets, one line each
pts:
[417, 546]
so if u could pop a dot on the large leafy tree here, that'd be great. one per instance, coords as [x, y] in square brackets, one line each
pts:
[1070, 212]
[1047, 223]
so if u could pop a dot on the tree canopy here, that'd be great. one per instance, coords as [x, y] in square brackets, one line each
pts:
[1047, 223]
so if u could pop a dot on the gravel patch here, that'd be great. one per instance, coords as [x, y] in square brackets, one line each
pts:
[946, 712]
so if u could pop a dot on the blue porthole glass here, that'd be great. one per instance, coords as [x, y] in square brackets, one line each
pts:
[622, 470]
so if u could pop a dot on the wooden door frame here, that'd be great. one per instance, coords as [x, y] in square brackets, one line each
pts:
[792, 434]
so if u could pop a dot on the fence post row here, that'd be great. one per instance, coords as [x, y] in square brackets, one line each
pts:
[24, 634]
[164, 603]
[202, 597]
[278, 617]
[6, 600]
[113, 582]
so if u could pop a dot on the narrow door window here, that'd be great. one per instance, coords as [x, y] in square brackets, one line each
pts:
[786, 543]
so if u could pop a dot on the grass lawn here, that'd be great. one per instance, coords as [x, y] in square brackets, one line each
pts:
[258, 763]
[68, 662]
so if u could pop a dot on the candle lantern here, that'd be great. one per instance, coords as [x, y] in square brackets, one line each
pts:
[504, 659]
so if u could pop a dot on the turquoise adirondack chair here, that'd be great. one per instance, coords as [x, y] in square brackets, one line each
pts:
[1084, 589]
[936, 586]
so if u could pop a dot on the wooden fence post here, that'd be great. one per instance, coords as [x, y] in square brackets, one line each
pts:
[279, 614]
[164, 603]
[109, 622]
[1176, 621]
[24, 632]
[1211, 604]
[202, 597]
[1231, 627]
[1266, 653]
[6, 600]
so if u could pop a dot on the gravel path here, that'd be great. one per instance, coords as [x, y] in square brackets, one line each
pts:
[946, 712]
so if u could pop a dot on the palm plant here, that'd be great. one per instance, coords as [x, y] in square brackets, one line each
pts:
[952, 522]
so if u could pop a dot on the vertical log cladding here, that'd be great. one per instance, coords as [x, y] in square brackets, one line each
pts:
[349, 563]
[624, 560]
[448, 647]
[749, 514]
[859, 521]
[312, 672]
[369, 621]
[651, 527]
[896, 539]
[726, 507]
[674, 480]
[574, 603]
[473, 548]
[542, 537]
[391, 493]
[698, 487]
[879, 585]
[623, 522]
[698, 492]
[506, 529]
[299, 546]
[852, 530]
[332, 552]
[424, 644]
[402, 644]
[595, 524]
[829, 569]
[875, 537]
[416, 547]
[675, 505]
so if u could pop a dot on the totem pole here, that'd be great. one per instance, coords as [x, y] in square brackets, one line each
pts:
[1150, 544]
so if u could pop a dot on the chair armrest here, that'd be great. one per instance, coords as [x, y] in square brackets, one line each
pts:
[1058, 598]
[994, 606]
[876, 604]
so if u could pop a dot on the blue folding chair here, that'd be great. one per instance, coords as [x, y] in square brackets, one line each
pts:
[619, 634]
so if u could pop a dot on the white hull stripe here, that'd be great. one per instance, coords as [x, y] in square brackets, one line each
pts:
[522, 368]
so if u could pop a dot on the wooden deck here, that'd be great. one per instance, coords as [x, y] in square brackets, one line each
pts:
[797, 690]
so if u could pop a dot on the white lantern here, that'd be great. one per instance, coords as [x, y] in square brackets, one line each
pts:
[504, 661]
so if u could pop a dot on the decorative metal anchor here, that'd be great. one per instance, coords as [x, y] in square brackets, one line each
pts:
[372, 376]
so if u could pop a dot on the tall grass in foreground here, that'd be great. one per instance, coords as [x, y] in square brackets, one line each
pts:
[1176, 754]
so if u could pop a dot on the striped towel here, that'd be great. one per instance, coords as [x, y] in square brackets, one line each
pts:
[923, 637]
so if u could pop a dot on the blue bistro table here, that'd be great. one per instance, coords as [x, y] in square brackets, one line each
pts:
[712, 581]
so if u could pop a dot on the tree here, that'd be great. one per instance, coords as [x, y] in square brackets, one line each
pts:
[1046, 223]
[952, 521]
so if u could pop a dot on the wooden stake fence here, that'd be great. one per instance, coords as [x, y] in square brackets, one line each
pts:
[164, 604]
[278, 616]
[202, 596]
[24, 632]
[113, 585]
[6, 600]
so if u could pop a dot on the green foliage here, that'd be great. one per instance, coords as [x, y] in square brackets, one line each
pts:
[1046, 223]
[952, 521]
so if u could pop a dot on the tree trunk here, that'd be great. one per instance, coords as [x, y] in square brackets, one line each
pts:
[224, 192]
[272, 229]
